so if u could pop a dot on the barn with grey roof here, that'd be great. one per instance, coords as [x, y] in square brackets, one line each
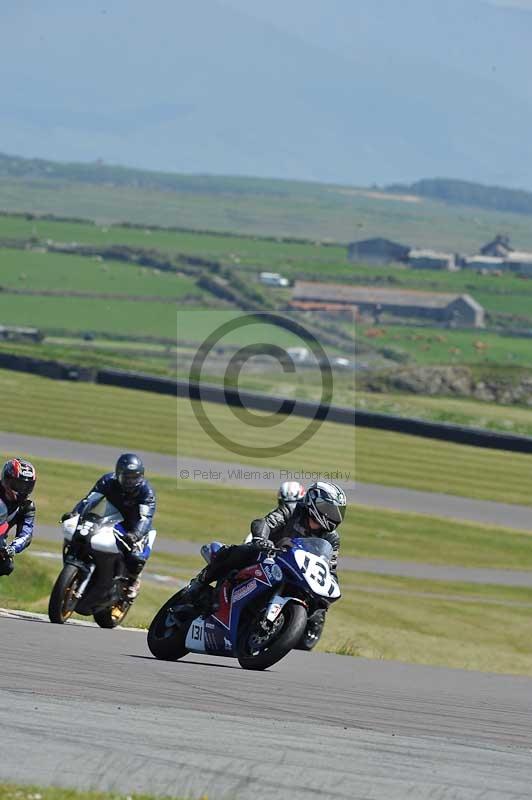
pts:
[461, 310]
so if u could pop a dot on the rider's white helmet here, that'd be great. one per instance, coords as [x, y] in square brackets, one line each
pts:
[290, 492]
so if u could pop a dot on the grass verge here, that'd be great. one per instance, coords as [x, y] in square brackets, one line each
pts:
[133, 420]
[483, 628]
[211, 512]
[11, 791]
[474, 413]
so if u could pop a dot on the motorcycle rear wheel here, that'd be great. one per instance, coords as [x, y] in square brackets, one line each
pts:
[166, 640]
[252, 656]
[62, 603]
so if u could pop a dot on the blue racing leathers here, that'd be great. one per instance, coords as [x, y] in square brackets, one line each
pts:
[137, 508]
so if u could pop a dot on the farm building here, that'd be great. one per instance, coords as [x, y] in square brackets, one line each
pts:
[519, 262]
[500, 247]
[460, 310]
[431, 259]
[484, 262]
[377, 251]
[516, 261]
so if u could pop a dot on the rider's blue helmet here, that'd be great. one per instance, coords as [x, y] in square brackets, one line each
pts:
[129, 472]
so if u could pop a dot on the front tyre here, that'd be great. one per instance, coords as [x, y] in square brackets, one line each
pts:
[258, 649]
[168, 630]
[313, 631]
[63, 599]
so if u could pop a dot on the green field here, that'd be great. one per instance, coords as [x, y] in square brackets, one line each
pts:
[243, 252]
[156, 359]
[437, 346]
[499, 294]
[270, 207]
[475, 413]
[37, 271]
[482, 628]
[11, 791]
[81, 315]
[81, 412]
[200, 514]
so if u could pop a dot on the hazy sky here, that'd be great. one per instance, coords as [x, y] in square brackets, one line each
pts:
[348, 91]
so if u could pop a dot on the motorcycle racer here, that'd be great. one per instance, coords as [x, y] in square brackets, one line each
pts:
[128, 491]
[318, 513]
[16, 485]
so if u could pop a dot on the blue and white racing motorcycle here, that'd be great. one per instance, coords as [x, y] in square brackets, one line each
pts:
[257, 615]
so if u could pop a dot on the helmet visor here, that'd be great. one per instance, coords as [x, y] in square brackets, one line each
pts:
[20, 485]
[129, 481]
[329, 510]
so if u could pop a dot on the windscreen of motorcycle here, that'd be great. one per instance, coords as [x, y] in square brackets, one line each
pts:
[314, 544]
[106, 510]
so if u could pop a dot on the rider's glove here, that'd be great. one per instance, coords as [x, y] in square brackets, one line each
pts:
[261, 543]
[68, 515]
[10, 551]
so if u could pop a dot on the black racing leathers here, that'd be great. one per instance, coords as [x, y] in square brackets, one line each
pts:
[137, 509]
[21, 516]
[282, 522]
[278, 524]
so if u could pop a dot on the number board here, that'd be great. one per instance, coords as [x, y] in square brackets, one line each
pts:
[317, 574]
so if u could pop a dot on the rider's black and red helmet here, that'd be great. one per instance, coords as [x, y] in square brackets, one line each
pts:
[18, 478]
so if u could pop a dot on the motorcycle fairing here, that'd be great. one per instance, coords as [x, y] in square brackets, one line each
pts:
[217, 633]
[312, 569]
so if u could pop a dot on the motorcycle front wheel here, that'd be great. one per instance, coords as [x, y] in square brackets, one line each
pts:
[168, 630]
[313, 631]
[112, 617]
[258, 649]
[63, 600]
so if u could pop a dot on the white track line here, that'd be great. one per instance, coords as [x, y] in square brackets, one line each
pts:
[13, 613]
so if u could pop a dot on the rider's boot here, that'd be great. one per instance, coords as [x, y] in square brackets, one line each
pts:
[197, 590]
[133, 581]
[132, 587]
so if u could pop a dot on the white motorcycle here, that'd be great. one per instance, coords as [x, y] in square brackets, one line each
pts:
[94, 579]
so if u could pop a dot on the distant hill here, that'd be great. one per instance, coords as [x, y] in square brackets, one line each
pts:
[465, 193]
[256, 206]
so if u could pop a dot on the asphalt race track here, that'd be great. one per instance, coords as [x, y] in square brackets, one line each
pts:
[375, 495]
[89, 708]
